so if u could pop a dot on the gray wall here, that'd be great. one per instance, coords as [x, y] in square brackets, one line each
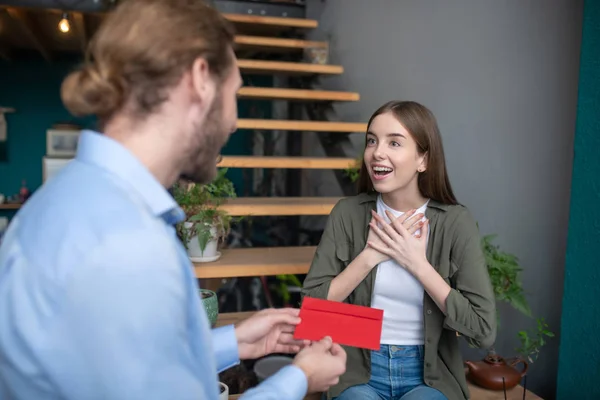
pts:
[501, 78]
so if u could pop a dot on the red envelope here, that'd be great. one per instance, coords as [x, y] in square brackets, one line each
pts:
[346, 324]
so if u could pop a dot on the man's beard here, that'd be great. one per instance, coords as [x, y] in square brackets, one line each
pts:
[210, 137]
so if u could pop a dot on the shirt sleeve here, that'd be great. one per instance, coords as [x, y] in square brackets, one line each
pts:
[471, 305]
[120, 329]
[288, 383]
[225, 347]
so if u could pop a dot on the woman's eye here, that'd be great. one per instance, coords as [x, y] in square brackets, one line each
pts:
[394, 143]
[370, 141]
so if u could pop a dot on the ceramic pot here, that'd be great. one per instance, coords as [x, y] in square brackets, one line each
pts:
[495, 373]
[211, 305]
[193, 247]
[223, 391]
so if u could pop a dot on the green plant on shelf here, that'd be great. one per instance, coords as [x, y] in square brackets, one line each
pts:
[504, 270]
[353, 172]
[531, 343]
[201, 206]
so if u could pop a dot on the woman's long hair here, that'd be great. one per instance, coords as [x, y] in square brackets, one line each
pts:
[420, 122]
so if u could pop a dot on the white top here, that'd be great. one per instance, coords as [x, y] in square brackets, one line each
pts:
[400, 295]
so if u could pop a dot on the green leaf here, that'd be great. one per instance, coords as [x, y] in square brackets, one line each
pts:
[204, 236]
[519, 302]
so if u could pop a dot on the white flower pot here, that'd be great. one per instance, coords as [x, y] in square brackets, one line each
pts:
[194, 251]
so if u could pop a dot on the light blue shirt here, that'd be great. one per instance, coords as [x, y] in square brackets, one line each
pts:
[98, 299]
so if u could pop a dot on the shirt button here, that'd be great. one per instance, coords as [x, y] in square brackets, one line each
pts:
[430, 383]
[428, 340]
[428, 365]
[428, 312]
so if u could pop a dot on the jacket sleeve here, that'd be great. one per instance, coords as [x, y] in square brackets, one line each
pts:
[325, 265]
[471, 305]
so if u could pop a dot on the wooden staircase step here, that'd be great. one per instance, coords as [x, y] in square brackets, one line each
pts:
[287, 162]
[263, 93]
[279, 206]
[306, 126]
[288, 68]
[276, 45]
[266, 261]
[271, 25]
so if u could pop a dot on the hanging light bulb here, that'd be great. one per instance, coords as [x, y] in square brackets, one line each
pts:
[64, 25]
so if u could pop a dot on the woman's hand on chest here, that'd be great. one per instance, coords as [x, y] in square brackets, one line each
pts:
[397, 240]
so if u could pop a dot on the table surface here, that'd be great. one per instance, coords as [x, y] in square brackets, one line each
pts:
[477, 393]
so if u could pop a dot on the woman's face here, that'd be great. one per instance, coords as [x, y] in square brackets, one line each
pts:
[391, 155]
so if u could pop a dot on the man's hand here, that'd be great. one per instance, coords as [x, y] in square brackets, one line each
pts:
[268, 331]
[322, 362]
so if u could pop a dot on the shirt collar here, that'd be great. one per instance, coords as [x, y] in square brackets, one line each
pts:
[106, 153]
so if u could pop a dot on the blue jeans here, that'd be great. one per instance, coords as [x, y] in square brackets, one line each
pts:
[396, 374]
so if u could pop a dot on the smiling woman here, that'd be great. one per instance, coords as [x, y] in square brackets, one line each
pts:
[406, 246]
[404, 135]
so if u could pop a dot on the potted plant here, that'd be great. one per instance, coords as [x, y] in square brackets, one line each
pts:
[210, 302]
[352, 172]
[504, 273]
[205, 224]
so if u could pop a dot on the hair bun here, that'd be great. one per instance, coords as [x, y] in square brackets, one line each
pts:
[88, 91]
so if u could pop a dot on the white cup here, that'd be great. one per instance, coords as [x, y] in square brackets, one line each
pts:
[224, 391]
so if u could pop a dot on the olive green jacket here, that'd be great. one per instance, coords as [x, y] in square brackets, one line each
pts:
[454, 250]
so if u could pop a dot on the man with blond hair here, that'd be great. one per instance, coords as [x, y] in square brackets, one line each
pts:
[97, 295]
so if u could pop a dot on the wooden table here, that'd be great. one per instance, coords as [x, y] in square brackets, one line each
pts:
[516, 393]
[477, 393]
[315, 396]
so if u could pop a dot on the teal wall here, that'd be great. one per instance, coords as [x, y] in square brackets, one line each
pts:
[32, 87]
[579, 363]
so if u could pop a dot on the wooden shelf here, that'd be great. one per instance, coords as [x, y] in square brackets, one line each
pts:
[279, 206]
[295, 94]
[260, 24]
[275, 45]
[10, 206]
[306, 126]
[265, 261]
[286, 162]
[287, 68]
[232, 318]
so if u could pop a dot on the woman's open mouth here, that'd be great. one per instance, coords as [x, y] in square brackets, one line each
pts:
[381, 172]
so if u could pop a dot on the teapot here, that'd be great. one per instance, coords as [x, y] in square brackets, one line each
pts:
[489, 372]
